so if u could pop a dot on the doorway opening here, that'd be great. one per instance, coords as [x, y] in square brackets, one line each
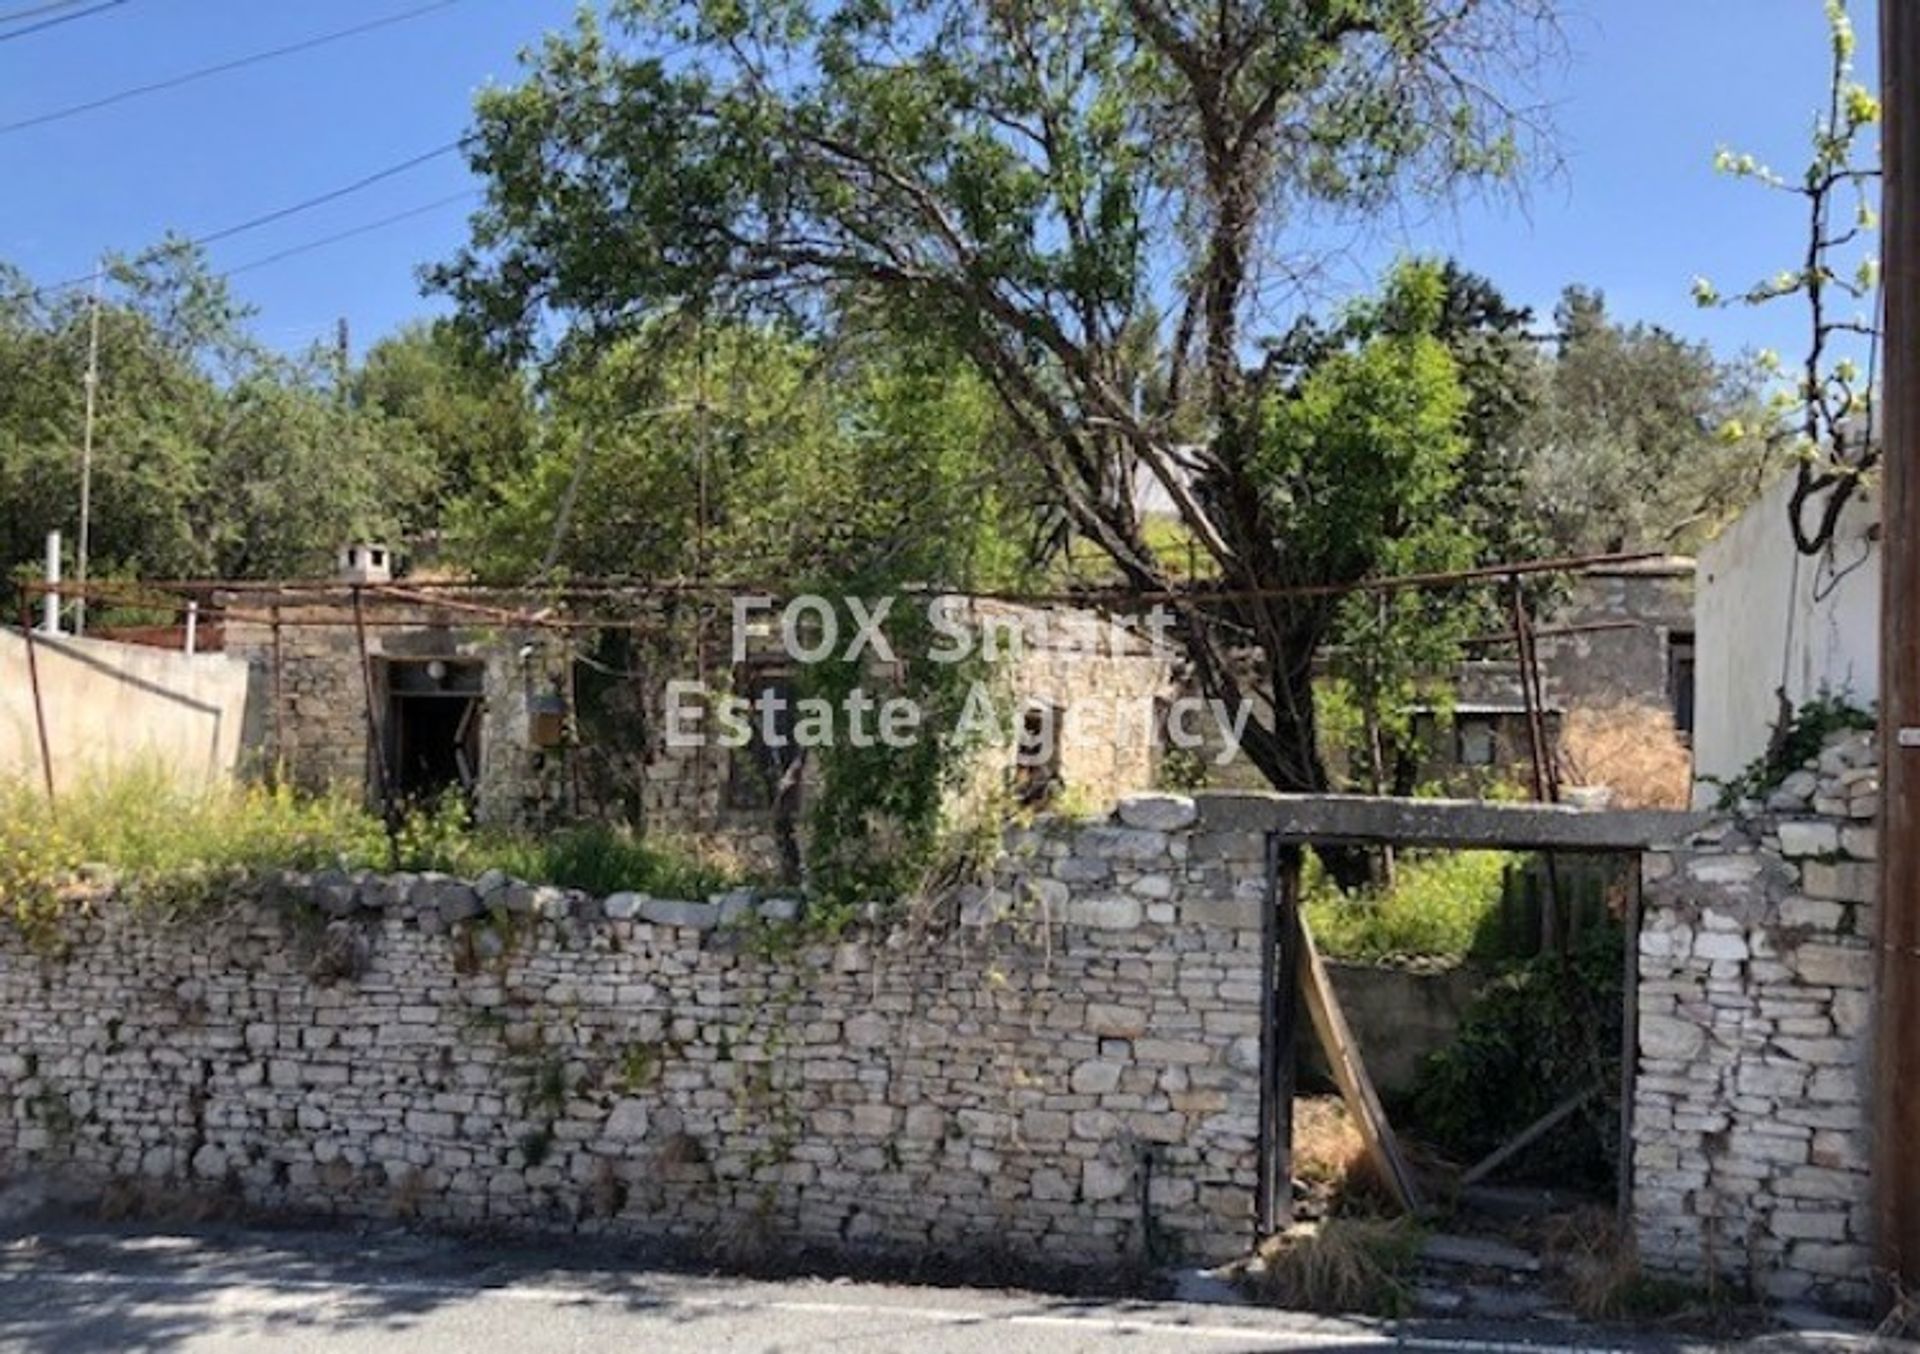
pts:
[433, 727]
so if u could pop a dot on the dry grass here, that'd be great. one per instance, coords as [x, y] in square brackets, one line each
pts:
[1330, 1156]
[1348, 1257]
[1632, 749]
[1338, 1265]
[1605, 1281]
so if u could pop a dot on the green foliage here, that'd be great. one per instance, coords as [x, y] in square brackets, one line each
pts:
[1360, 466]
[597, 858]
[1540, 1033]
[1075, 200]
[877, 820]
[1638, 438]
[448, 408]
[750, 453]
[213, 455]
[1358, 456]
[1443, 904]
[1794, 744]
[172, 846]
[142, 825]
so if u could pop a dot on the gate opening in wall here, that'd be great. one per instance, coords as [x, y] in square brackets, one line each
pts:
[1585, 873]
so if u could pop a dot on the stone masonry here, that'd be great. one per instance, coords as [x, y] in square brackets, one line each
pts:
[1751, 1105]
[1058, 1065]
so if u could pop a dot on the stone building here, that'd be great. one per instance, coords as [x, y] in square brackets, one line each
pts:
[540, 723]
[1628, 635]
[1624, 635]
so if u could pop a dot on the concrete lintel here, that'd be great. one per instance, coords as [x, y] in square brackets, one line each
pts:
[1464, 823]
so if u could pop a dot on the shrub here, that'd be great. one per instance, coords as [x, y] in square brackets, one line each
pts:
[160, 838]
[1542, 1032]
[1443, 904]
[1795, 742]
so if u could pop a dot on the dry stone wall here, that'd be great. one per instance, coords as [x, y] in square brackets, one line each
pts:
[1751, 1101]
[1065, 1070]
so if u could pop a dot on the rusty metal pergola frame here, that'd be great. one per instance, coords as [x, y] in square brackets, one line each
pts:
[588, 605]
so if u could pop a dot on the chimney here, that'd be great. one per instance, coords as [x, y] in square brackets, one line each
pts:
[366, 562]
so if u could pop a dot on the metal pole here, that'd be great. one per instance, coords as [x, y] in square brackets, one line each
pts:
[86, 459]
[374, 736]
[279, 704]
[50, 602]
[1279, 1023]
[39, 702]
[1896, 1163]
[193, 625]
[1535, 730]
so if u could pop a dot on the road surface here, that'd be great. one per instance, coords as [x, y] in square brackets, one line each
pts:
[219, 1289]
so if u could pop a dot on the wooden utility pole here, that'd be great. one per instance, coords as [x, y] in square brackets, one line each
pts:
[1896, 1162]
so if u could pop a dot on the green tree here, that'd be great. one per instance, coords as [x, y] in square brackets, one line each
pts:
[212, 456]
[444, 404]
[1362, 454]
[765, 455]
[1638, 440]
[1034, 183]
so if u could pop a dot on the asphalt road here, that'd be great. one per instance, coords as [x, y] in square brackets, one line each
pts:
[219, 1289]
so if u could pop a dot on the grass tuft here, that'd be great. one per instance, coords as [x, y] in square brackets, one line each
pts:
[1361, 1265]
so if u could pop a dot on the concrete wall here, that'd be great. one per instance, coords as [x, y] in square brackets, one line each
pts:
[1767, 618]
[111, 705]
[1751, 1105]
[1400, 1015]
[1059, 1065]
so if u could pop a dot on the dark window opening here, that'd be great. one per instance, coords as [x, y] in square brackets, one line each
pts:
[1476, 742]
[1680, 680]
[1036, 756]
[757, 771]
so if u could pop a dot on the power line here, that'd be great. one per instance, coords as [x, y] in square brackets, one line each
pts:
[31, 11]
[350, 233]
[221, 68]
[308, 246]
[332, 195]
[57, 19]
[282, 213]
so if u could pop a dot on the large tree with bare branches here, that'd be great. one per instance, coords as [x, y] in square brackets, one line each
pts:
[1093, 200]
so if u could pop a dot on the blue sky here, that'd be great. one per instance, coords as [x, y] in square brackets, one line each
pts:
[1649, 90]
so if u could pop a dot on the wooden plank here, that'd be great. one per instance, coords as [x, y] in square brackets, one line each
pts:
[1350, 1073]
[1527, 1136]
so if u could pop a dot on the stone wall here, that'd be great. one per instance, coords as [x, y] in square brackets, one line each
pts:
[1751, 1104]
[1652, 601]
[1059, 1064]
